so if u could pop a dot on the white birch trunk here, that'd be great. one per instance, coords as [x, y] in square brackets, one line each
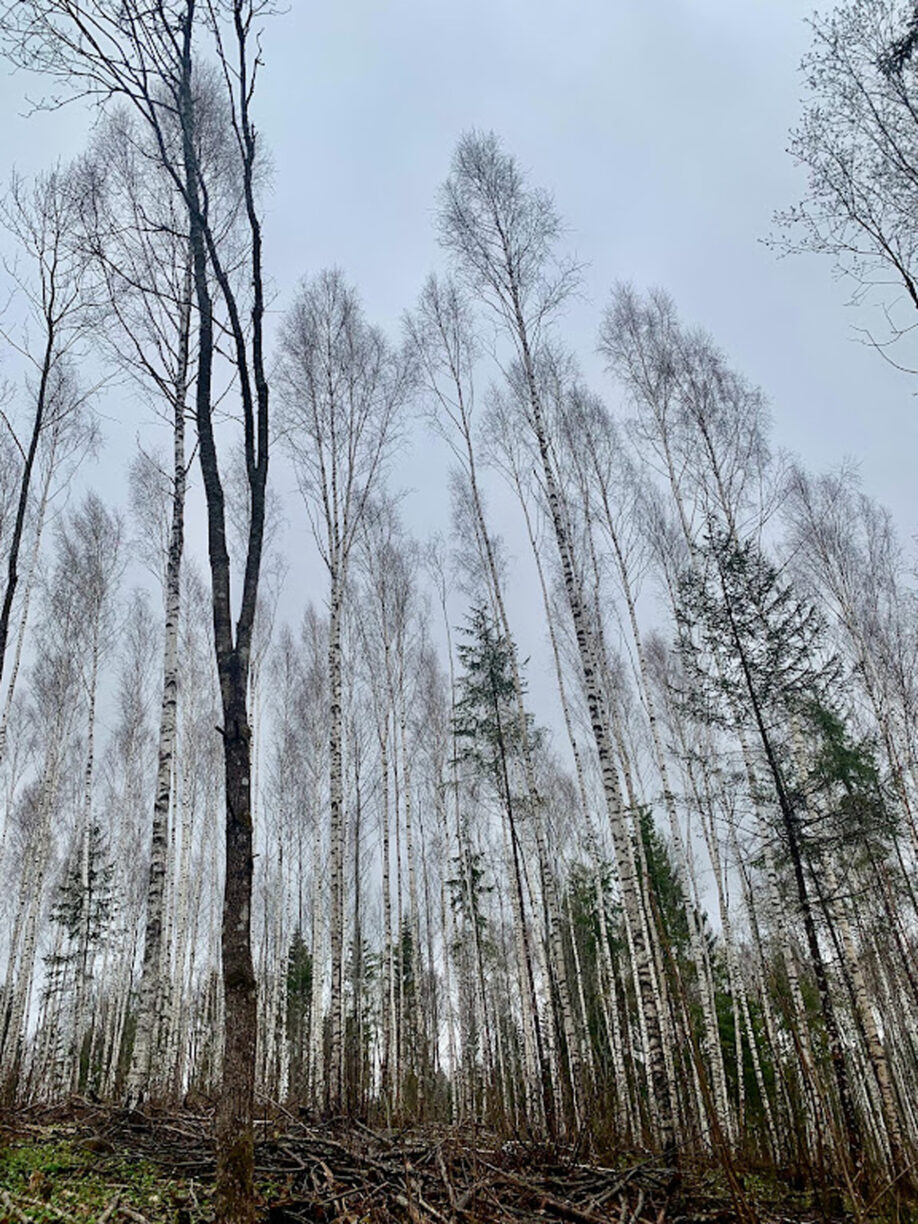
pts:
[149, 1002]
[12, 1049]
[335, 1085]
[650, 1002]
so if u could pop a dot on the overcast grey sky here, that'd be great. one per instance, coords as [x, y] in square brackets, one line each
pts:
[660, 127]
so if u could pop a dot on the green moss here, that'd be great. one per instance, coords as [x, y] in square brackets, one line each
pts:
[51, 1179]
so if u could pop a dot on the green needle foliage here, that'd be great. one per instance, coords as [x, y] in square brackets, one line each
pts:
[757, 655]
[486, 719]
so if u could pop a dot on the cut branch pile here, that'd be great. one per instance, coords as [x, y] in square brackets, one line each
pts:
[346, 1173]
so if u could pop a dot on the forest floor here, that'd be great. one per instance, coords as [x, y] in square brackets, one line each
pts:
[96, 1165]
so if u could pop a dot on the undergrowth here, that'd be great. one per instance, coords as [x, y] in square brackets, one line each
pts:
[57, 1181]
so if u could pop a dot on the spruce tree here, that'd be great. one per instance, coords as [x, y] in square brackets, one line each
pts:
[757, 655]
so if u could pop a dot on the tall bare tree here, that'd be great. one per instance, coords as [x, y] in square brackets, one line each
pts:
[147, 56]
[342, 386]
[502, 233]
[41, 217]
[856, 143]
[134, 232]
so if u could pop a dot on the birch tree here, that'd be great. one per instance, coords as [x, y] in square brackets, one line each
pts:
[55, 705]
[41, 217]
[89, 567]
[149, 62]
[855, 142]
[341, 387]
[502, 234]
[135, 236]
[126, 778]
[443, 333]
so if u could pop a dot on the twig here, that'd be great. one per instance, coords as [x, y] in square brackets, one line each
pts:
[902, 1175]
[450, 1192]
[635, 1215]
[43, 1207]
[13, 1209]
[557, 1206]
[109, 1210]
[134, 1215]
[430, 1210]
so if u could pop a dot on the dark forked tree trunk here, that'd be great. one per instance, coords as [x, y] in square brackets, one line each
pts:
[235, 1109]
[25, 484]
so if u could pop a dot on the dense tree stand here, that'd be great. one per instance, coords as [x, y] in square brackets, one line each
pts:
[506, 851]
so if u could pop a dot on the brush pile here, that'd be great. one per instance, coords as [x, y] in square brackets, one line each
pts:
[346, 1173]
